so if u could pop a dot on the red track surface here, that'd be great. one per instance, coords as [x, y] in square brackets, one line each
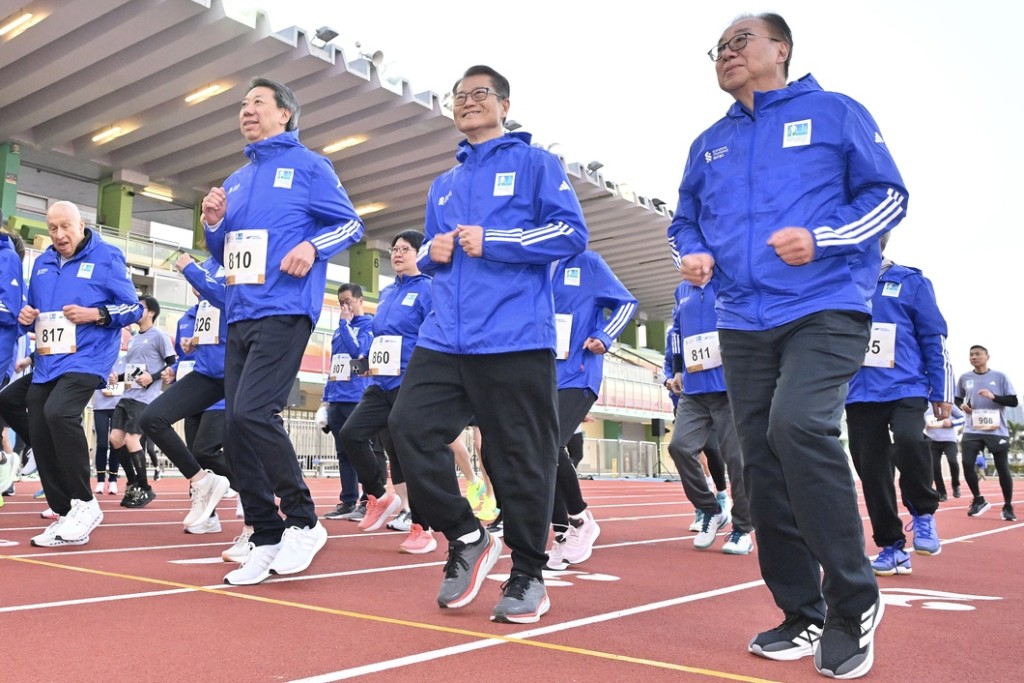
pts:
[646, 606]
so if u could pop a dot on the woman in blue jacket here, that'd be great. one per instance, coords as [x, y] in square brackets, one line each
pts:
[402, 307]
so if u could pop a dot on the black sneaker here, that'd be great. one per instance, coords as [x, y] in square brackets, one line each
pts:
[466, 569]
[130, 492]
[524, 601]
[141, 498]
[942, 498]
[1008, 513]
[792, 639]
[847, 645]
[978, 506]
[340, 510]
[956, 491]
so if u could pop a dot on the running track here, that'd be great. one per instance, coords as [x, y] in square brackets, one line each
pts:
[145, 602]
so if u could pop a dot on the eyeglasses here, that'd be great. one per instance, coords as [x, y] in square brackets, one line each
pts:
[401, 251]
[736, 43]
[476, 94]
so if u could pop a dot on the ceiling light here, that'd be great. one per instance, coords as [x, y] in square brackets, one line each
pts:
[157, 193]
[108, 134]
[205, 94]
[373, 207]
[344, 143]
[14, 23]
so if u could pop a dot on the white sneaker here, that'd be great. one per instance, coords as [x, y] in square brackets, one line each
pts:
[230, 493]
[579, 541]
[205, 496]
[255, 567]
[99, 487]
[48, 514]
[112, 489]
[698, 520]
[30, 464]
[239, 548]
[738, 543]
[8, 470]
[709, 529]
[85, 516]
[298, 548]
[210, 525]
[403, 522]
[50, 538]
[555, 560]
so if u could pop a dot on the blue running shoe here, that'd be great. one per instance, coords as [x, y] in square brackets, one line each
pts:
[892, 560]
[926, 537]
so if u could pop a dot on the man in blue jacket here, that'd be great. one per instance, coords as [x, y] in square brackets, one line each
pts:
[703, 407]
[784, 200]
[905, 368]
[273, 226]
[344, 388]
[494, 225]
[79, 297]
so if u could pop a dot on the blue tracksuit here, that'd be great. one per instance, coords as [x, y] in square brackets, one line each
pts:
[96, 276]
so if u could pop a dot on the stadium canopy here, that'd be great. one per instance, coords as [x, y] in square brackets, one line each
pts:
[146, 92]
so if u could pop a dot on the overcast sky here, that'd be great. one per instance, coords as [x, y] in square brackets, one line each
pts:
[632, 87]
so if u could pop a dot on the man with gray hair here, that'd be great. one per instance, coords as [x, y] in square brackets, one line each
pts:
[273, 226]
[783, 201]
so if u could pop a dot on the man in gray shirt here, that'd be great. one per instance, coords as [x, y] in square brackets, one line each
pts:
[149, 353]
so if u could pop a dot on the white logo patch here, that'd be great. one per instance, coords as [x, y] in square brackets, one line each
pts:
[233, 188]
[564, 186]
[796, 133]
[410, 299]
[444, 200]
[284, 178]
[716, 153]
[572, 277]
[504, 184]
[878, 138]
[85, 270]
[891, 289]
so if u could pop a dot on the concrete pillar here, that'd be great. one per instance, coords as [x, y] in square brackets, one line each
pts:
[114, 206]
[10, 163]
[656, 331]
[364, 269]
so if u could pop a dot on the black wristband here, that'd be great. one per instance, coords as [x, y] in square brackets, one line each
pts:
[104, 317]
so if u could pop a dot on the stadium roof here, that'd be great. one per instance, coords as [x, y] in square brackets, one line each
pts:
[97, 88]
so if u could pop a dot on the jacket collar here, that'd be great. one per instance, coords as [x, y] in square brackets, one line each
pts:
[763, 100]
[272, 146]
[484, 149]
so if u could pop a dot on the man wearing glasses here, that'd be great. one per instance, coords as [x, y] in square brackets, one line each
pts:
[495, 224]
[783, 202]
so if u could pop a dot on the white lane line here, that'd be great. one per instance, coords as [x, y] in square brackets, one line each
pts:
[522, 635]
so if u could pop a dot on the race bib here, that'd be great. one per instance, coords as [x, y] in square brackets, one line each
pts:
[132, 372]
[113, 389]
[881, 351]
[55, 334]
[184, 368]
[245, 255]
[702, 352]
[985, 419]
[341, 368]
[207, 324]
[563, 332]
[386, 356]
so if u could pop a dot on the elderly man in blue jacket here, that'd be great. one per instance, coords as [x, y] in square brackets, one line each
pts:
[783, 201]
[79, 297]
